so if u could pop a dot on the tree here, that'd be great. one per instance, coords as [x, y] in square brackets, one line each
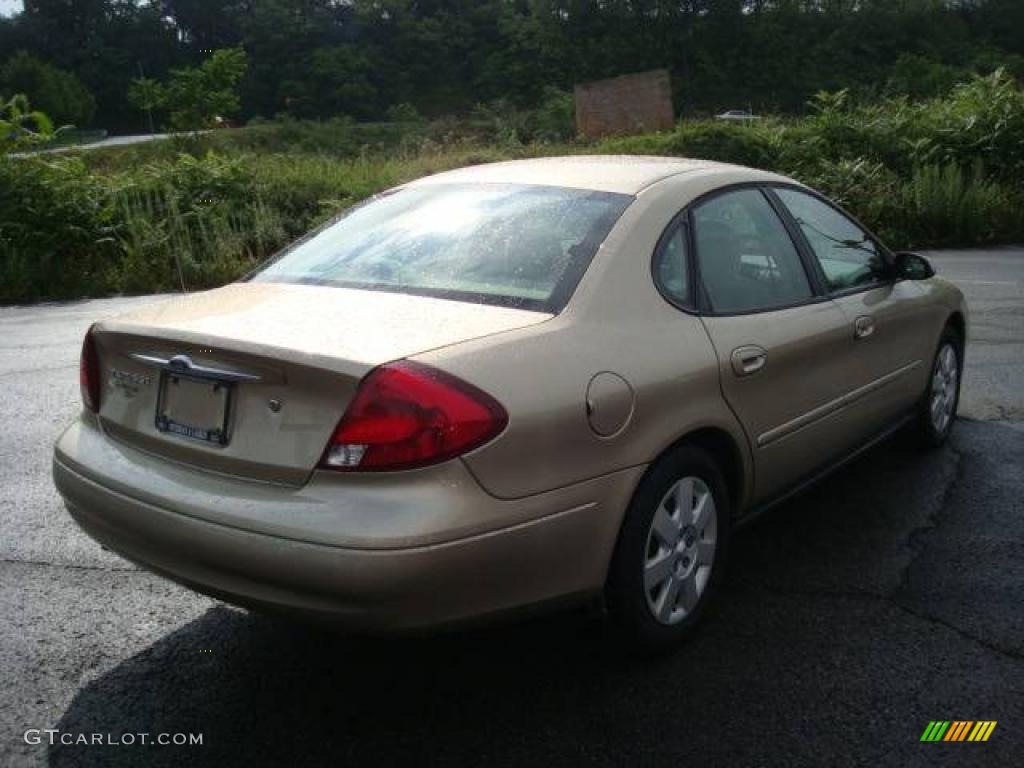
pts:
[147, 94]
[103, 42]
[195, 97]
[336, 82]
[282, 38]
[316, 58]
[206, 24]
[54, 91]
[920, 77]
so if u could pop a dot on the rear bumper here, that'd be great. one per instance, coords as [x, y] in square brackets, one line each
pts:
[562, 553]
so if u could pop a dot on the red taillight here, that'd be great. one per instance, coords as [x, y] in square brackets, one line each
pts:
[407, 415]
[89, 372]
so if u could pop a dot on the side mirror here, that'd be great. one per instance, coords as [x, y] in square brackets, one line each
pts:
[908, 265]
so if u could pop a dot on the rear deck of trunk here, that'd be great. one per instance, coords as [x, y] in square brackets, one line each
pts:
[250, 380]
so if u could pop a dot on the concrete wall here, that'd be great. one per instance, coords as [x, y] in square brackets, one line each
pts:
[625, 104]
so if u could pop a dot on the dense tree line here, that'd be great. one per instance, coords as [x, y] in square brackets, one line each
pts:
[317, 58]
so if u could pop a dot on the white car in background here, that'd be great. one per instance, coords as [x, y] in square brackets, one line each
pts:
[737, 116]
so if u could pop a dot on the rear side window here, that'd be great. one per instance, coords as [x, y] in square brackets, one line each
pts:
[671, 271]
[510, 244]
[746, 259]
[847, 254]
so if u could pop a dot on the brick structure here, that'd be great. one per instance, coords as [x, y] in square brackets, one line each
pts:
[625, 104]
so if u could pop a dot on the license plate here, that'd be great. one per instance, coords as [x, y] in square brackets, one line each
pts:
[194, 408]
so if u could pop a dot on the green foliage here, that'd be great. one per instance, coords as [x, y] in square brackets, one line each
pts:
[501, 121]
[753, 145]
[148, 217]
[982, 120]
[195, 97]
[318, 59]
[337, 81]
[336, 137]
[403, 113]
[56, 229]
[921, 77]
[948, 205]
[58, 93]
[21, 127]
[147, 95]
[68, 230]
[725, 142]
[866, 188]
[554, 118]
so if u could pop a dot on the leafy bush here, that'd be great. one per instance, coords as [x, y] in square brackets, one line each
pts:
[501, 121]
[919, 76]
[981, 121]
[725, 142]
[756, 145]
[57, 92]
[56, 230]
[195, 97]
[554, 119]
[21, 127]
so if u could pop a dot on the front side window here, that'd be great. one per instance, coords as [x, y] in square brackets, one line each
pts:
[511, 244]
[746, 259]
[847, 254]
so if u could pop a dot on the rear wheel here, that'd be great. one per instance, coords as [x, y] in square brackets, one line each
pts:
[671, 551]
[939, 404]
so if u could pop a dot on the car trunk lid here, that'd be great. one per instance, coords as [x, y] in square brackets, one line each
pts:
[251, 379]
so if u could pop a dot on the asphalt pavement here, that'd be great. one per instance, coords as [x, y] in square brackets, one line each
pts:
[887, 597]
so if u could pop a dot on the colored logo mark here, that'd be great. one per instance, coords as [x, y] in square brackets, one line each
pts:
[958, 730]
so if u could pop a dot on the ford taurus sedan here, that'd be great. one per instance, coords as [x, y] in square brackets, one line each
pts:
[507, 386]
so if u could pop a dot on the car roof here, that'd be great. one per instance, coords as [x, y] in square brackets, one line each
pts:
[624, 174]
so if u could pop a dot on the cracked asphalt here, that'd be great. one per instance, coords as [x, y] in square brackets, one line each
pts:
[890, 595]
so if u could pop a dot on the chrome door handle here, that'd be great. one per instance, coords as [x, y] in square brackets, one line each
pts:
[748, 360]
[863, 327]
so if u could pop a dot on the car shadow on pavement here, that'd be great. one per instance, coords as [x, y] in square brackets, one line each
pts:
[800, 594]
[263, 691]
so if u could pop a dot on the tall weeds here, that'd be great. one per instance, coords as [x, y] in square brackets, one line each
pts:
[948, 205]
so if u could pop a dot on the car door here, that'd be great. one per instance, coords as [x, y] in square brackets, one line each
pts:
[780, 342]
[888, 320]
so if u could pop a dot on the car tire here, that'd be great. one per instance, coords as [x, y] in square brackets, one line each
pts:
[937, 411]
[671, 552]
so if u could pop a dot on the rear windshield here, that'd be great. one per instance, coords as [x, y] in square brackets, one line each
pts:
[509, 244]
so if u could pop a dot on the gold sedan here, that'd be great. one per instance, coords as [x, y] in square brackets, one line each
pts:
[519, 384]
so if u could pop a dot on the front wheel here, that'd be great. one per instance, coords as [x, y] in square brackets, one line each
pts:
[939, 405]
[671, 551]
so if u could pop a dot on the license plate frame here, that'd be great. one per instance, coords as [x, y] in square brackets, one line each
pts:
[204, 422]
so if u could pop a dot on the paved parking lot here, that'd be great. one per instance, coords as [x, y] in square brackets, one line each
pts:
[887, 597]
